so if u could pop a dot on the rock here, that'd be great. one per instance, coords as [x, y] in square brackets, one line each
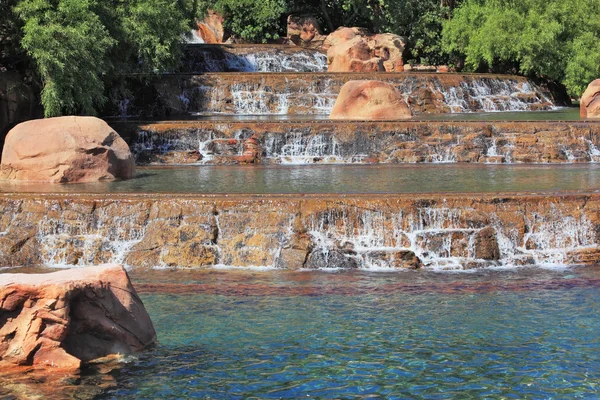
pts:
[331, 258]
[64, 318]
[304, 31]
[370, 100]
[590, 101]
[356, 50]
[252, 152]
[443, 69]
[394, 259]
[486, 244]
[65, 149]
[210, 30]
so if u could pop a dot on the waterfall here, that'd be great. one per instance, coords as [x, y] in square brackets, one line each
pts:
[436, 235]
[262, 99]
[200, 59]
[442, 242]
[494, 94]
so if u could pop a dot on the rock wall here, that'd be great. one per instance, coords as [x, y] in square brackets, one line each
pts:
[315, 93]
[218, 142]
[343, 231]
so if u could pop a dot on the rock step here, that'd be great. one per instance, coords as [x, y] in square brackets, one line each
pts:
[224, 142]
[449, 231]
[315, 93]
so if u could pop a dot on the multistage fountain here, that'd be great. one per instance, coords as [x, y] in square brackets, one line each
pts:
[455, 188]
[277, 103]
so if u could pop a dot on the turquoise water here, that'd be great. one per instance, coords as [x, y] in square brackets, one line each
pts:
[411, 178]
[354, 336]
[560, 114]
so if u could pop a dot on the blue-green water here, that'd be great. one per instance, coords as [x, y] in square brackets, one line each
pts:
[389, 178]
[371, 336]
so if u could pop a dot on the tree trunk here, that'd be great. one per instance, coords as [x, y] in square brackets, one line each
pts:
[326, 16]
[447, 3]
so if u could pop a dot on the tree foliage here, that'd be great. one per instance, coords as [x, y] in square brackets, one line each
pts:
[79, 45]
[250, 20]
[551, 39]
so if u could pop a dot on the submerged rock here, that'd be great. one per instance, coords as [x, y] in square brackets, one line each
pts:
[65, 149]
[64, 318]
[356, 50]
[370, 100]
[590, 101]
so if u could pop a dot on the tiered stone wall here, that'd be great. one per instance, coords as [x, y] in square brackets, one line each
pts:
[221, 142]
[344, 231]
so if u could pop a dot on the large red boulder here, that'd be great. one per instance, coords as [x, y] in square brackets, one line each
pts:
[65, 149]
[210, 30]
[370, 100]
[590, 101]
[64, 318]
[356, 50]
[304, 30]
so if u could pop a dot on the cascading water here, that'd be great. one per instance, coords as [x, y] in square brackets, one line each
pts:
[201, 59]
[439, 239]
[261, 99]
[494, 94]
[365, 235]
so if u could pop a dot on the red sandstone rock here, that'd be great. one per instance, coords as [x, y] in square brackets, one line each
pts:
[252, 151]
[304, 31]
[210, 29]
[356, 50]
[590, 101]
[65, 149]
[370, 100]
[64, 318]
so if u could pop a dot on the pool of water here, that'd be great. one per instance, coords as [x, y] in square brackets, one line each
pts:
[326, 335]
[522, 333]
[422, 178]
[559, 114]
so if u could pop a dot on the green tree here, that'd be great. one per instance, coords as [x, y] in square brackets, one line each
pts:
[77, 46]
[250, 20]
[550, 39]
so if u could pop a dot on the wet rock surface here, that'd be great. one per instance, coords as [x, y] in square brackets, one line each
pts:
[65, 149]
[279, 93]
[292, 232]
[251, 58]
[61, 319]
[367, 142]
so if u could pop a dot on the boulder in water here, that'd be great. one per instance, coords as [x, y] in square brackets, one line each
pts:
[65, 149]
[590, 101]
[64, 318]
[356, 50]
[370, 100]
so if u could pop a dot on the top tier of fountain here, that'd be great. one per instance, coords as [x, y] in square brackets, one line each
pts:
[290, 80]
